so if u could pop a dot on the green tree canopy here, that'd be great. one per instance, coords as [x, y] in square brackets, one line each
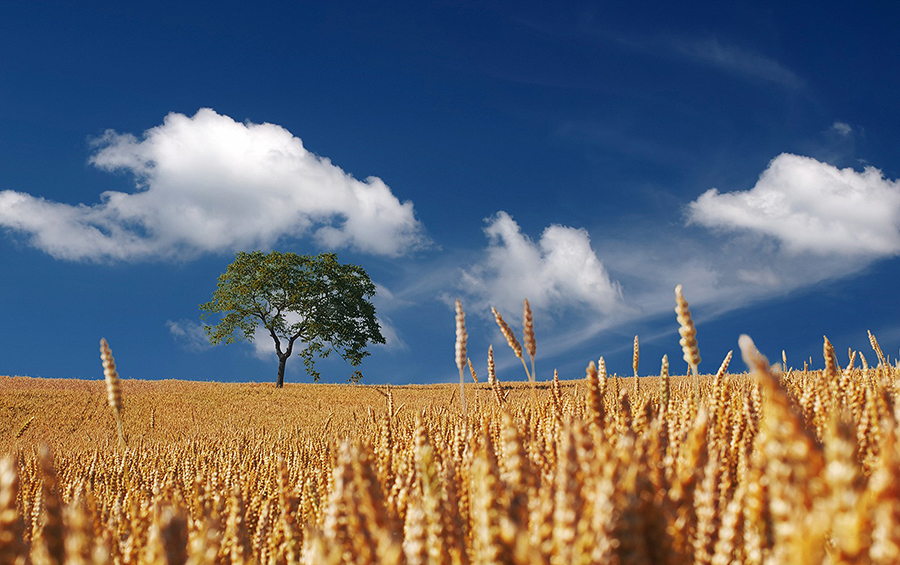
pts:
[311, 299]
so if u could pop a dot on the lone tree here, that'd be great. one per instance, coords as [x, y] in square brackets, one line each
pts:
[314, 299]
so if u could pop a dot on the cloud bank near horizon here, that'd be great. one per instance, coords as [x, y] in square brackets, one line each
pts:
[209, 184]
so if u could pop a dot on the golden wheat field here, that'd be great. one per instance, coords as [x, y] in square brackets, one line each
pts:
[774, 465]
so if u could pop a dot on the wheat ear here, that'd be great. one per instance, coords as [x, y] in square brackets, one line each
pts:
[461, 337]
[877, 348]
[664, 385]
[52, 538]
[510, 338]
[499, 395]
[528, 332]
[556, 394]
[688, 339]
[492, 368]
[24, 427]
[530, 343]
[595, 396]
[474, 378]
[828, 354]
[113, 390]
[634, 363]
[12, 546]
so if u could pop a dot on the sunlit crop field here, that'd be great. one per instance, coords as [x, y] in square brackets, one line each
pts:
[769, 466]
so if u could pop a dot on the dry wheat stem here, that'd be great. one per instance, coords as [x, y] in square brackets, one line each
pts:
[687, 331]
[530, 345]
[510, 339]
[688, 339]
[461, 357]
[528, 333]
[665, 390]
[634, 363]
[492, 368]
[113, 388]
[24, 427]
[877, 349]
[723, 368]
[830, 358]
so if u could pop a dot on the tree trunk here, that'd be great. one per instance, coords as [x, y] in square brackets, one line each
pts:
[281, 362]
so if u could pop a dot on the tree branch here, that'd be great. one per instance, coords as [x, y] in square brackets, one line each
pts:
[277, 343]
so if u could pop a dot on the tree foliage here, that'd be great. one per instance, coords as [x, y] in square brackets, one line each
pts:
[315, 300]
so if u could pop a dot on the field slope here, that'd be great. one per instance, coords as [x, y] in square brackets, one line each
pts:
[733, 468]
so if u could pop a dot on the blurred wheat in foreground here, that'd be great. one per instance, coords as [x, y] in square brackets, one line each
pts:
[758, 467]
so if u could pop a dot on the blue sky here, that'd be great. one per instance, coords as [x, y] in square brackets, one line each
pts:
[586, 156]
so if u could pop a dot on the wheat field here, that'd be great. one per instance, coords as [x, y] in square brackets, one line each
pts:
[774, 465]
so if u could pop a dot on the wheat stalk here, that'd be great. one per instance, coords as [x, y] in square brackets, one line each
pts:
[517, 349]
[492, 368]
[510, 339]
[461, 357]
[13, 549]
[877, 349]
[499, 395]
[688, 339]
[51, 540]
[474, 378]
[830, 358]
[113, 389]
[24, 427]
[556, 394]
[595, 396]
[472, 371]
[528, 333]
[687, 331]
[664, 385]
[634, 363]
[530, 344]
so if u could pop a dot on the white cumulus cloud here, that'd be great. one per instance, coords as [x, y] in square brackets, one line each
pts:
[559, 271]
[811, 207]
[206, 183]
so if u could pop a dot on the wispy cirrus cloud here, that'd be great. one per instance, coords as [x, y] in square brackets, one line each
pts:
[842, 128]
[712, 52]
[732, 59]
[189, 334]
[207, 183]
[709, 51]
